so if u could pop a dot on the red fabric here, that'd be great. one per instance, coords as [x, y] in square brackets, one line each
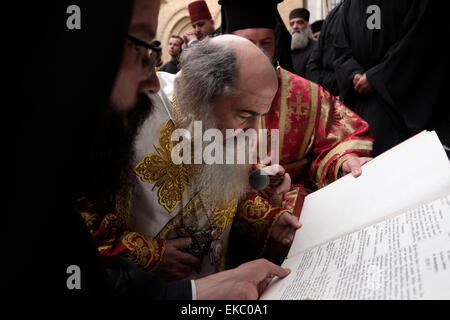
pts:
[113, 241]
[198, 10]
[333, 124]
[317, 133]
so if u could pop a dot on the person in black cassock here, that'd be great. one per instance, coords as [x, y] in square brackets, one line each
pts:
[316, 26]
[271, 28]
[391, 71]
[320, 66]
[302, 44]
[75, 122]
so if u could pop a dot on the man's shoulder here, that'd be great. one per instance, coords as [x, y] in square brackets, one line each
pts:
[296, 79]
[170, 67]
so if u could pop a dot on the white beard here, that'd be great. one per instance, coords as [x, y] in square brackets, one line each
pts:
[300, 39]
[223, 183]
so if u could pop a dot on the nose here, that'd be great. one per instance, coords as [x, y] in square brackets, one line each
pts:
[150, 84]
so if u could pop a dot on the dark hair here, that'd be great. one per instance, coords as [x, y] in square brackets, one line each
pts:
[178, 37]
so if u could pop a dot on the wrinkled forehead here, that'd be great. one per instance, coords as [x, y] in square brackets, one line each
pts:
[299, 20]
[200, 22]
[255, 34]
[175, 40]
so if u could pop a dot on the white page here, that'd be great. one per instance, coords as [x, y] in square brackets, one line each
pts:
[404, 257]
[412, 173]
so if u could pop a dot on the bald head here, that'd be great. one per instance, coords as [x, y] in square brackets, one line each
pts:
[255, 72]
[228, 78]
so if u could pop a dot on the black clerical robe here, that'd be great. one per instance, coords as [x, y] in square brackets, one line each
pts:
[300, 58]
[407, 68]
[54, 113]
[320, 66]
[170, 67]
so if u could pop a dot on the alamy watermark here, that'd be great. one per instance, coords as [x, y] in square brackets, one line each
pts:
[237, 147]
[74, 279]
[74, 20]
[374, 20]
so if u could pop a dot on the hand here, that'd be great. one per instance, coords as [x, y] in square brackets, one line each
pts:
[284, 229]
[176, 264]
[353, 165]
[363, 86]
[188, 36]
[282, 237]
[356, 79]
[285, 186]
[245, 282]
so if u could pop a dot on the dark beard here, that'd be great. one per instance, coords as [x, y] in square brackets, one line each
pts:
[112, 152]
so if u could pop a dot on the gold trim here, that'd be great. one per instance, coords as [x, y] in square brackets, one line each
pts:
[311, 121]
[269, 231]
[158, 262]
[262, 126]
[297, 165]
[340, 148]
[283, 108]
[340, 162]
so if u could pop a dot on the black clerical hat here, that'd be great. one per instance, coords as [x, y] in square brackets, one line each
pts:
[300, 13]
[316, 26]
[244, 14]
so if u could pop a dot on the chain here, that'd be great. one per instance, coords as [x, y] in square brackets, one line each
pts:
[178, 124]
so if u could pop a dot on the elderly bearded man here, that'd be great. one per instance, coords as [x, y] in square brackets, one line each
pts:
[320, 139]
[179, 216]
[303, 43]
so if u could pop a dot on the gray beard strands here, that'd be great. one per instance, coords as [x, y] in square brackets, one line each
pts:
[300, 39]
[222, 182]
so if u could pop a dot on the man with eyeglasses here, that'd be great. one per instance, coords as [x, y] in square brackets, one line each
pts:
[96, 111]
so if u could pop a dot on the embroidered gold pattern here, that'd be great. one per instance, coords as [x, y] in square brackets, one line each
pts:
[143, 252]
[223, 217]
[89, 219]
[158, 168]
[339, 150]
[193, 212]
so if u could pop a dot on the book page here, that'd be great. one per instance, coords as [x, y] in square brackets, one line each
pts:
[404, 257]
[415, 172]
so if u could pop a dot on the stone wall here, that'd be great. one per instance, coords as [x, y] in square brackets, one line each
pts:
[174, 16]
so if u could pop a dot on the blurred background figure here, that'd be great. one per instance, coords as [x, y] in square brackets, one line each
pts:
[302, 44]
[201, 21]
[175, 43]
[390, 72]
[320, 67]
[264, 27]
[315, 28]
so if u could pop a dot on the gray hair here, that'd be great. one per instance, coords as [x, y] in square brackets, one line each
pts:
[208, 71]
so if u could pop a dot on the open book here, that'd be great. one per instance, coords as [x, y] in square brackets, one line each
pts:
[383, 235]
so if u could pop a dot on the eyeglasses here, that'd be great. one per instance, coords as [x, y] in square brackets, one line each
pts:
[153, 53]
